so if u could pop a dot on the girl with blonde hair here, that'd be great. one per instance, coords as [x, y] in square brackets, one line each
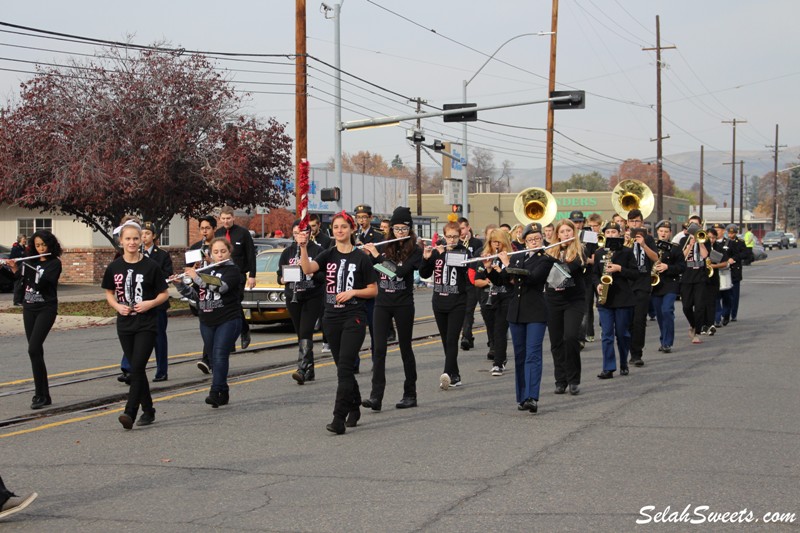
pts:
[499, 294]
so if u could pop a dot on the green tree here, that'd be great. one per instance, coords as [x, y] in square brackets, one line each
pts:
[590, 182]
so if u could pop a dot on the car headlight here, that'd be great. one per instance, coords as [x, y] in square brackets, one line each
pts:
[283, 297]
[274, 297]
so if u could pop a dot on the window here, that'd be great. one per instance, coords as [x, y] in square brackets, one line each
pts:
[27, 226]
[163, 240]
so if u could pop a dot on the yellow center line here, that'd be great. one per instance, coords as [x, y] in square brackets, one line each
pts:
[193, 391]
[176, 356]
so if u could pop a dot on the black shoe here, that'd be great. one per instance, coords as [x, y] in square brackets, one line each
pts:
[245, 339]
[667, 349]
[490, 355]
[574, 389]
[725, 320]
[624, 371]
[147, 418]
[606, 374]
[126, 420]
[733, 320]
[353, 418]
[336, 426]
[204, 367]
[299, 376]
[159, 378]
[467, 344]
[661, 348]
[125, 378]
[637, 362]
[531, 405]
[213, 399]
[40, 401]
[310, 374]
[372, 403]
[224, 397]
[717, 324]
[406, 402]
[560, 389]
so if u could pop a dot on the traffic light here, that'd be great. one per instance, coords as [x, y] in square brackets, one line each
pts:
[330, 195]
[466, 116]
[456, 208]
[577, 100]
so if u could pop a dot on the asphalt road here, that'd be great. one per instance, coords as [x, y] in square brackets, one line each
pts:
[713, 425]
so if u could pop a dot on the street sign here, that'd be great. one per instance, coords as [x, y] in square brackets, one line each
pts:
[260, 210]
[452, 173]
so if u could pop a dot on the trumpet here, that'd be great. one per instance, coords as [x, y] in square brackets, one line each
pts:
[696, 231]
[606, 280]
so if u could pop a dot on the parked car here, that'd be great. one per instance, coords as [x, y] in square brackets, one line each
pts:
[792, 239]
[266, 302]
[6, 277]
[758, 252]
[269, 243]
[775, 239]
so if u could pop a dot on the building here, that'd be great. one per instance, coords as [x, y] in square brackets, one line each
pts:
[713, 214]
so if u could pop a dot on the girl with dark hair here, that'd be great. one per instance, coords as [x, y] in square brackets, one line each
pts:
[219, 307]
[566, 303]
[304, 302]
[39, 305]
[395, 300]
[135, 286]
[349, 280]
[450, 285]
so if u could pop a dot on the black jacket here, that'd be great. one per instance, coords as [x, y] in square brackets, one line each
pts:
[370, 236]
[670, 278]
[738, 252]
[620, 293]
[244, 252]
[527, 301]
[642, 282]
[164, 261]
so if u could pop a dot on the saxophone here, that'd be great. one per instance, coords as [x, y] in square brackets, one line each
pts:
[606, 280]
[655, 279]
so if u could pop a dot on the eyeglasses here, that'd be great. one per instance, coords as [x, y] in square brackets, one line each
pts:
[401, 229]
[533, 239]
[452, 236]
[362, 217]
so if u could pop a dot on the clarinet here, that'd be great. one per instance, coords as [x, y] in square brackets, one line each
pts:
[294, 283]
[489, 298]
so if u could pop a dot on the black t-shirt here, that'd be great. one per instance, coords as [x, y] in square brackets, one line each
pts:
[311, 286]
[40, 283]
[217, 304]
[450, 282]
[399, 290]
[132, 283]
[344, 272]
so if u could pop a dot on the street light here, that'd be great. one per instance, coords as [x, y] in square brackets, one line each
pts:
[465, 185]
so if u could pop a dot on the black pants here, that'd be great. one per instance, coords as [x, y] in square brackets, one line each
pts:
[404, 318]
[639, 323]
[710, 304]
[564, 324]
[487, 313]
[449, 324]
[37, 326]
[304, 316]
[588, 317]
[499, 331]
[138, 347]
[345, 337]
[469, 313]
[693, 300]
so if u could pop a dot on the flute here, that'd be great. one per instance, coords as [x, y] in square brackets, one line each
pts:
[360, 246]
[18, 259]
[477, 259]
[187, 279]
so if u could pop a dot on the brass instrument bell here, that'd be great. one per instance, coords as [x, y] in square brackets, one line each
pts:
[632, 194]
[535, 205]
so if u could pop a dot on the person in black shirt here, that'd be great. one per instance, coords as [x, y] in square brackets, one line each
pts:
[473, 246]
[495, 307]
[208, 225]
[243, 256]
[318, 235]
[450, 286]
[349, 280]
[395, 300]
[135, 287]
[670, 266]
[366, 234]
[644, 252]
[566, 302]
[693, 281]
[164, 261]
[304, 302]
[39, 305]
[617, 311]
[716, 263]
[217, 293]
[738, 254]
[17, 251]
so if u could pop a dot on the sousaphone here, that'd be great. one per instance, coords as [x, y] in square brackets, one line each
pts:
[632, 194]
[535, 205]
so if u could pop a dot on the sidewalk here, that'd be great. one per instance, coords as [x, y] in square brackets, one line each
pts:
[11, 323]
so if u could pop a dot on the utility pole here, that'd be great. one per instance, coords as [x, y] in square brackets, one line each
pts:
[733, 166]
[741, 193]
[419, 102]
[551, 86]
[702, 162]
[776, 146]
[659, 138]
[300, 97]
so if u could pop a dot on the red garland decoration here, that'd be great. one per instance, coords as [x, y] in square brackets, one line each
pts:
[303, 188]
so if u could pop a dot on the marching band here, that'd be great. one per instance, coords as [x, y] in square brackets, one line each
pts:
[526, 281]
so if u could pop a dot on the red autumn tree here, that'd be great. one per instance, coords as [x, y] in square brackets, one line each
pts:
[644, 172]
[276, 219]
[155, 133]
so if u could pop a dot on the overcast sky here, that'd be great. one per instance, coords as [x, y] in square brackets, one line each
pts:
[734, 59]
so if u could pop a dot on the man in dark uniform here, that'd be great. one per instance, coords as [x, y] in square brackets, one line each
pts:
[243, 256]
[474, 247]
[318, 235]
[589, 249]
[738, 253]
[207, 225]
[670, 266]
[164, 262]
[718, 259]
[645, 254]
[365, 233]
[693, 281]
